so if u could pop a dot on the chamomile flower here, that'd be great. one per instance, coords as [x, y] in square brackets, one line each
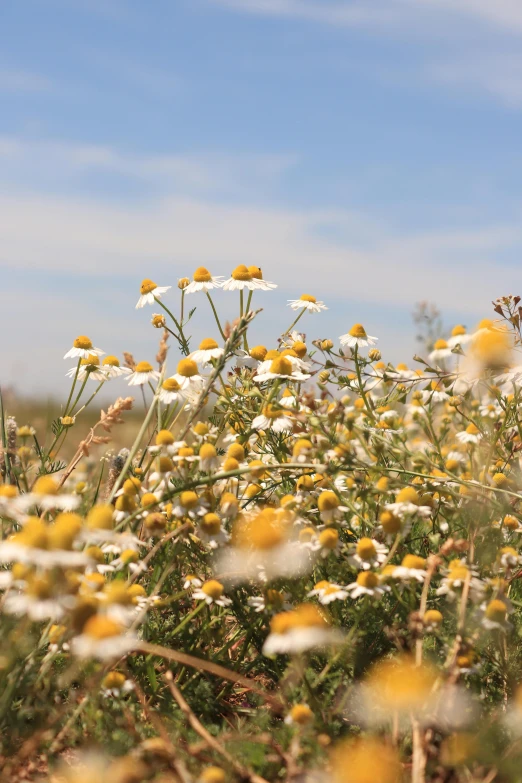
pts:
[150, 292]
[459, 336]
[171, 392]
[102, 638]
[208, 350]
[367, 583]
[369, 553]
[281, 368]
[441, 350]
[408, 503]
[242, 277]
[471, 434]
[300, 629]
[143, 373]
[191, 582]
[327, 592]
[357, 337]
[307, 302]
[112, 368]
[82, 349]
[212, 592]
[203, 281]
[188, 377]
[412, 568]
[272, 418]
[494, 616]
[89, 368]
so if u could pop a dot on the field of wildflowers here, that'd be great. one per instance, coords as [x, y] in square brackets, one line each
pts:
[304, 567]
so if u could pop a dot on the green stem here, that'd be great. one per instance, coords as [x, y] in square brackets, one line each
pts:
[303, 310]
[216, 316]
[187, 619]
[91, 398]
[73, 385]
[184, 345]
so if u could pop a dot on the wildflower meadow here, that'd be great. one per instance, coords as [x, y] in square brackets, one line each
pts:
[304, 565]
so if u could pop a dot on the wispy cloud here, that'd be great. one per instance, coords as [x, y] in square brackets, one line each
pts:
[12, 80]
[179, 234]
[47, 163]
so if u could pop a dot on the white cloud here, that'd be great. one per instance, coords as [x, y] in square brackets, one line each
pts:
[499, 75]
[176, 235]
[49, 162]
[23, 81]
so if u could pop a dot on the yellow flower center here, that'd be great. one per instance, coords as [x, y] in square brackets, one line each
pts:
[207, 451]
[327, 501]
[258, 352]
[202, 275]
[408, 495]
[358, 331]
[432, 617]
[170, 385]
[187, 368]
[307, 298]
[210, 524]
[301, 714]
[188, 499]
[281, 366]
[242, 272]
[440, 344]
[399, 684]
[256, 272]
[83, 342]
[496, 611]
[111, 361]
[147, 286]
[164, 438]
[365, 761]
[390, 523]
[131, 486]
[208, 344]
[272, 413]
[92, 360]
[100, 517]
[262, 532]
[412, 561]
[144, 367]
[113, 680]
[367, 579]
[366, 549]
[458, 330]
[472, 429]
[45, 485]
[329, 538]
[148, 499]
[213, 588]
[100, 627]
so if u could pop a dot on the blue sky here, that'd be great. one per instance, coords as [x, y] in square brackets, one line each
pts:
[366, 151]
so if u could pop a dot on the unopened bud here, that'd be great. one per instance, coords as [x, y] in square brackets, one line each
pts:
[183, 282]
[374, 355]
[67, 421]
[324, 376]
[326, 345]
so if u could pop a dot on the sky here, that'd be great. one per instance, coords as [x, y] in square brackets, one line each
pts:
[363, 151]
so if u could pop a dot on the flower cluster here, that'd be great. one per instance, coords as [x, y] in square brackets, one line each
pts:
[312, 549]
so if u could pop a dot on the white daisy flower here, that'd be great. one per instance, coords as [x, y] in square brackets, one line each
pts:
[441, 350]
[102, 638]
[191, 582]
[357, 337]
[494, 616]
[203, 281]
[112, 369]
[82, 348]
[470, 435]
[143, 373]
[281, 367]
[307, 302]
[459, 336]
[212, 592]
[188, 378]
[150, 292]
[245, 277]
[298, 630]
[89, 368]
[412, 568]
[208, 350]
[327, 592]
[367, 583]
[369, 553]
[272, 418]
[171, 392]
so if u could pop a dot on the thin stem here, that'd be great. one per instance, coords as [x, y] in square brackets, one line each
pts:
[72, 387]
[181, 339]
[91, 398]
[303, 310]
[216, 316]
